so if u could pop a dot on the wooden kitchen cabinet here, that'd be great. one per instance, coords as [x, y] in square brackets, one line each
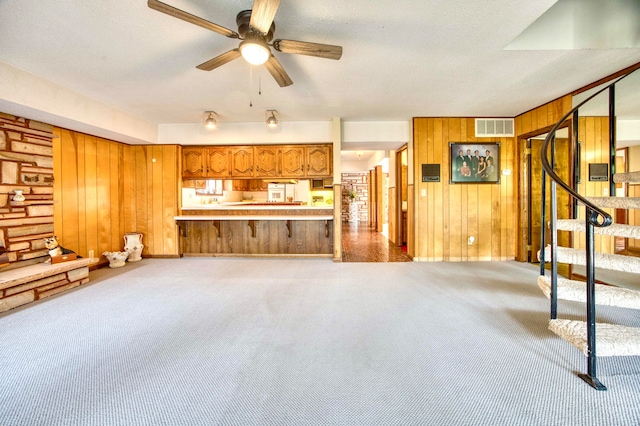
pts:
[319, 160]
[292, 161]
[193, 163]
[267, 161]
[260, 162]
[217, 162]
[250, 185]
[242, 161]
[205, 162]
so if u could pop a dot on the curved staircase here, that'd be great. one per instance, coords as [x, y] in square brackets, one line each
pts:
[586, 336]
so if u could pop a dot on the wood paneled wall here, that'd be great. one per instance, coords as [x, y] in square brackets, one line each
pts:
[534, 122]
[449, 214]
[104, 189]
[593, 133]
[542, 117]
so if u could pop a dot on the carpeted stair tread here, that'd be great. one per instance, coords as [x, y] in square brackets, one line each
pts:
[617, 229]
[615, 262]
[605, 294]
[611, 339]
[626, 177]
[616, 202]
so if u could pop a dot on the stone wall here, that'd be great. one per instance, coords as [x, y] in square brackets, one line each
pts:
[26, 163]
[359, 182]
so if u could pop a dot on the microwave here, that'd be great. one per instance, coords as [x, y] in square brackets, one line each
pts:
[322, 183]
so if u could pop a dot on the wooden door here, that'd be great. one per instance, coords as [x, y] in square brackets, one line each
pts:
[242, 161]
[217, 162]
[319, 161]
[292, 161]
[266, 158]
[193, 163]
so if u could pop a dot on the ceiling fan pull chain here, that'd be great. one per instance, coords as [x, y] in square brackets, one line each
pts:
[250, 85]
[260, 84]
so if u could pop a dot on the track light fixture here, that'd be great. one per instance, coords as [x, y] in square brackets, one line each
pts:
[272, 121]
[210, 122]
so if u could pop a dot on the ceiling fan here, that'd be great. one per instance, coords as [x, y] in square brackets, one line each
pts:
[255, 29]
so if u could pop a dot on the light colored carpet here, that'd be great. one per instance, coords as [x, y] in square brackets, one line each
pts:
[215, 341]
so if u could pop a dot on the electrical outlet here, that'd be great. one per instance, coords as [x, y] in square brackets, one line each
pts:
[423, 192]
[90, 253]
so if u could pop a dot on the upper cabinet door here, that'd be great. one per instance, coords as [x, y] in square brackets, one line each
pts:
[319, 161]
[266, 159]
[193, 163]
[242, 161]
[293, 162]
[217, 162]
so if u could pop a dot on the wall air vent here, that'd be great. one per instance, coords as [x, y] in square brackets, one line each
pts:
[490, 127]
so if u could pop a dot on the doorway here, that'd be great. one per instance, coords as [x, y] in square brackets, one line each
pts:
[533, 191]
[402, 197]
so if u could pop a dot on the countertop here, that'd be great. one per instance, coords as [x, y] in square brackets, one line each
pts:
[253, 206]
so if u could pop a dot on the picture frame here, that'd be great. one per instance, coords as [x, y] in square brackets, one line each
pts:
[479, 162]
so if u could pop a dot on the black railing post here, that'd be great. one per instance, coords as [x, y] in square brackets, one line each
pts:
[543, 218]
[612, 139]
[576, 159]
[591, 376]
[553, 240]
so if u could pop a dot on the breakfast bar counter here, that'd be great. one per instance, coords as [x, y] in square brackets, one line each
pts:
[255, 229]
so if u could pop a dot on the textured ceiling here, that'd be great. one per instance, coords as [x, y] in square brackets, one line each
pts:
[401, 58]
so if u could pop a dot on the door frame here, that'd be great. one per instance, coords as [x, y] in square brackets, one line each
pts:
[522, 252]
[399, 185]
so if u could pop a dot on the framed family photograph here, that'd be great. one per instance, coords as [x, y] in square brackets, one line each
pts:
[475, 162]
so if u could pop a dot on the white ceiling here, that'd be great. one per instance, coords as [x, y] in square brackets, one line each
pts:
[401, 59]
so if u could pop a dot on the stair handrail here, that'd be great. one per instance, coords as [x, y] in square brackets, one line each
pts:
[593, 214]
[596, 212]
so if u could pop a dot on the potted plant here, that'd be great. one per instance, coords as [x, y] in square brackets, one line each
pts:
[352, 195]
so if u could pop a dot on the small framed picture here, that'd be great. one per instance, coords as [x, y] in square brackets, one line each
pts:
[475, 162]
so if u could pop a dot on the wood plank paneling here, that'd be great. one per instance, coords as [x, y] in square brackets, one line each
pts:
[593, 132]
[447, 215]
[106, 189]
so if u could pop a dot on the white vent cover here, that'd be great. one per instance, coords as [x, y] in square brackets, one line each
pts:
[494, 127]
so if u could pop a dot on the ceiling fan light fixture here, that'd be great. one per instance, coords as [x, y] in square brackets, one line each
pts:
[272, 121]
[210, 122]
[255, 51]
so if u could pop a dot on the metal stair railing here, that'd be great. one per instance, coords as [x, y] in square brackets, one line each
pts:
[594, 217]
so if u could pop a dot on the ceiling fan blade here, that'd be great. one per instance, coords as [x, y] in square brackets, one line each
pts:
[180, 14]
[277, 72]
[306, 48]
[262, 14]
[219, 60]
